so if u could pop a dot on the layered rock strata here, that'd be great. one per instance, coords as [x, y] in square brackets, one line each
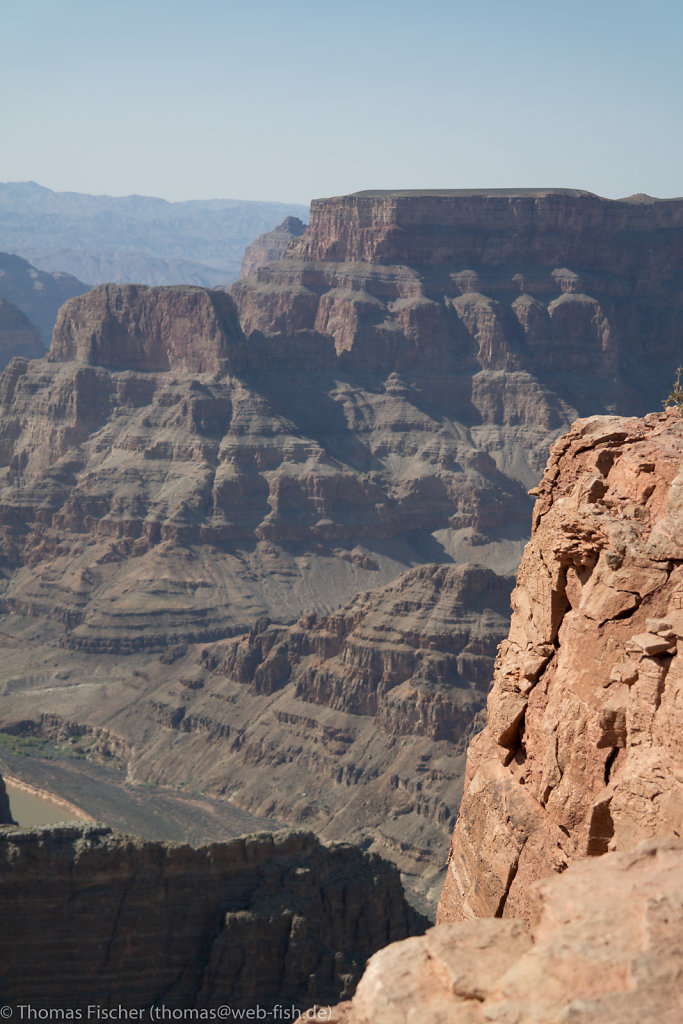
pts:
[96, 917]
[171, 478]
[606, 946]
[270, 246]
[354, 722]
[552, 282]
[135, 327]
[583, 748]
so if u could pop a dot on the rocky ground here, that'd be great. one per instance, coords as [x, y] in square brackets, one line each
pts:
[606, 946]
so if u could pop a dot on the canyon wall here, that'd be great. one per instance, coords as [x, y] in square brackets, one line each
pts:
[235, 538]
[133, 327]
[96, 917]
[564, 893]
[552, 282]
[270, 246]
[583, 751]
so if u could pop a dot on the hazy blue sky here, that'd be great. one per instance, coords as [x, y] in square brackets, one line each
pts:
[294, 100]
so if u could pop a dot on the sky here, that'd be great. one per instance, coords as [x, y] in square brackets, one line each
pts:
[298, 100]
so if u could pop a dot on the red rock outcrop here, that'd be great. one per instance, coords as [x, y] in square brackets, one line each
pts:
[606, 946]
[97, 917]
[135, 327]
[270, 246]
[583, 748]
[18, 336]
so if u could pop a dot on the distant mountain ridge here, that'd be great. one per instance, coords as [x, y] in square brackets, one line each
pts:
[36, 293]
[141, 239]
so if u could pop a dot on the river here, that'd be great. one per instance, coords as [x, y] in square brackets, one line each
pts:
[32, 806]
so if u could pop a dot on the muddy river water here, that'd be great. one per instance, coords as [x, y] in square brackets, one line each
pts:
[32, 806]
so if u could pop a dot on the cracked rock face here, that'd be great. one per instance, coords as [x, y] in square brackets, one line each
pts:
[135, 327]
[100, 917]
[583, 750]
[606, 947]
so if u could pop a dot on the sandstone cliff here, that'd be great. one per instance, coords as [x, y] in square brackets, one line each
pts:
[552, 282]
[133, 327]
[270, 246]
[18, 336]
[583, 749]
[606, 947]
[96, 917]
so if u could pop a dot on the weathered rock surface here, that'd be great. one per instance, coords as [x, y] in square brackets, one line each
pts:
[583, 749]
[36, 293]
[96, 917]
[270, 246]
[606, 946]
[18, 336]
[557, 283]
[134, 327]
[5, 812]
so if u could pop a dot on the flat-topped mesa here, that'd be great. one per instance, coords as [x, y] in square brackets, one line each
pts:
[480, 226]
[546, 281]
[135, 327]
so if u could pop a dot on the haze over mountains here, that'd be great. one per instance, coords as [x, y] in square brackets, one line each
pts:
[133, 238]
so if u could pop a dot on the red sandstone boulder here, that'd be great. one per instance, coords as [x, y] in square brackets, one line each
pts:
[606, 947]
